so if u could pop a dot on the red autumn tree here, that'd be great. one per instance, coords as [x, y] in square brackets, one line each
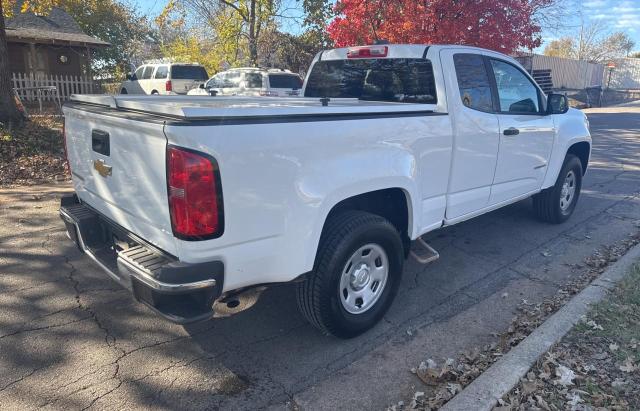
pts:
[501, 25]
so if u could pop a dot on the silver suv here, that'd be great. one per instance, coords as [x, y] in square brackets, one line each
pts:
[249, 81]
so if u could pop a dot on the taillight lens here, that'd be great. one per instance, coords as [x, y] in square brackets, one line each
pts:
[195, 194]
[168, 86]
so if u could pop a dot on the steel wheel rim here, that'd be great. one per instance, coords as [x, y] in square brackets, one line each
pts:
[568, 191]
[363, 278]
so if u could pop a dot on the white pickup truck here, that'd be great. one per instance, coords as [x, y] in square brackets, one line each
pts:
[189, 201]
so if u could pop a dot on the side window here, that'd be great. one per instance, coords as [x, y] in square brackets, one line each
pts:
[253, 80]
[138, 73]
[147, 72]
[161, 72]
[215, 81]
[231, 80]
[516, 92]
[473, 81]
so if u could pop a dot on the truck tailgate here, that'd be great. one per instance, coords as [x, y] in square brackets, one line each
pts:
[118, 165]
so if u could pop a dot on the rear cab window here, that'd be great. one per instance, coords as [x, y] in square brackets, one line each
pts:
[188, 73]
[400, 80]
[288, 81]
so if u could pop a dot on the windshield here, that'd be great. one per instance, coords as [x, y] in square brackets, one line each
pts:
[395, 80]
[285, 81]
[188, 73]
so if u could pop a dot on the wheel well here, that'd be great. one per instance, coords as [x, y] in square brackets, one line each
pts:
[581, 150]
[390, 203]
[155, 92]
[123, 91]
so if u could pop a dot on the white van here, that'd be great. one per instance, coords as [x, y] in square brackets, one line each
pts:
[164, 78]
[249, 81]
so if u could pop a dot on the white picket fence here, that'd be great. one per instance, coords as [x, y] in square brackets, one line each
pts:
[29, 86]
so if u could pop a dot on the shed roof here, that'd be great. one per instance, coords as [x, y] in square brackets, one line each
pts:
[55, 28]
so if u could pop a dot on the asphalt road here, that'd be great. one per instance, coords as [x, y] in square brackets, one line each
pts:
[71, 339]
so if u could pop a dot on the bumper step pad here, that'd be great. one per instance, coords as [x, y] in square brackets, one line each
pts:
[180, 292]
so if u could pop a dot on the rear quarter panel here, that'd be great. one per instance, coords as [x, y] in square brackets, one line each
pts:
[280, 180]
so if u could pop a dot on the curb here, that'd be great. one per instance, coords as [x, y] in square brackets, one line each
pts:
[485, 391]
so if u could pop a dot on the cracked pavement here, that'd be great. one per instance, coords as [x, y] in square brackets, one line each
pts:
[70, 338]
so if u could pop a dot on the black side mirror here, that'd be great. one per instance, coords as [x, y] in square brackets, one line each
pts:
[557, 103]
[129, 76]
[202, 85]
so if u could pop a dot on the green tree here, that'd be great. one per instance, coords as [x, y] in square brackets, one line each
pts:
[592, 43]
[317, 15]
[115, 22]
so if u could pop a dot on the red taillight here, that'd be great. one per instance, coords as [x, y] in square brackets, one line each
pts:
[195, 195]
[367, 52]
[168, 86]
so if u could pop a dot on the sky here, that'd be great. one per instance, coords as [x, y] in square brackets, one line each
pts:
[618, 15]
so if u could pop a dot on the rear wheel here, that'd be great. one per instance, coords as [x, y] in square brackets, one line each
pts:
[556, 204]
[124, 91]
[155, 93]
[356, 275]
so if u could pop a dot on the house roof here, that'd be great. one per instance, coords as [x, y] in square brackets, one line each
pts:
[55, 28]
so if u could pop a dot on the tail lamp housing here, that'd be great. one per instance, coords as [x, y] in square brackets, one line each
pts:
[195, 194]
[168, 86]
[367, 52]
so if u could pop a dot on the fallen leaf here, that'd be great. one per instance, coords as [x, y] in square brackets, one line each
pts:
[565, 376]
[628, 366]
[594, 325]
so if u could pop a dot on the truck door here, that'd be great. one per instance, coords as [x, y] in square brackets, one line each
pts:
[526, 133]
[476, 132]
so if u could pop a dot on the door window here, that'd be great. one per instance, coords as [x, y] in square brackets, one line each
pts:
[253, 80]
[161, 72]
[138, 74]
[473, 81]
[516, 93]
[147, 72]
[214, 82]
[231, 80]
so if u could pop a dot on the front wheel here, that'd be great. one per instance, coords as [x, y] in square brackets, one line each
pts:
[356, 275]
[556, 204]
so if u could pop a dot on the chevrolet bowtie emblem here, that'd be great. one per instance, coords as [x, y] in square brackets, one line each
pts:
[102, 168]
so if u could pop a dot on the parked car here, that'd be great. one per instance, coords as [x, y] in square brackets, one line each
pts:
[251, 82]
[164, 78]
[188, 202]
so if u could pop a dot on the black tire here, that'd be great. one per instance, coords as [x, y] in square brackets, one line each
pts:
[547, 204]
[124, 91]
[155, 93]
[319, 294]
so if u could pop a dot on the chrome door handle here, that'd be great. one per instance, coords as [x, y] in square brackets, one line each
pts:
[511, 131]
